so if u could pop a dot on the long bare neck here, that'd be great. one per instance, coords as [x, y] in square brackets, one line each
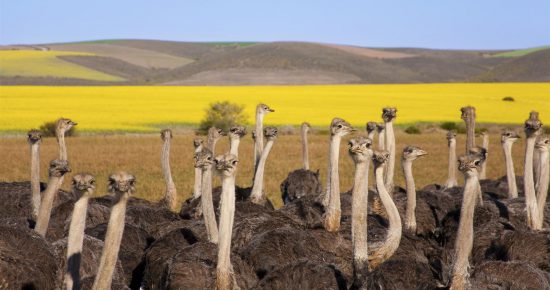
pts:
[382, 140]
[234, 146]
[35, 178]
[370, 135]
[259, 140]
[305, 151]
[410, 221]
[61, 145]
[198, 173]
[359, 209]
[510, 173]
[465, 237]
[390, 146]
[529, 187]
[451, 179]
[211, 143]
[382, 252]
[113, 238]
[170, 195]
[333, 210]
[536, 168]
[542, 189]
[41, 227]
[257, 195]
[208, 205]
[470, 133]
[74, 243]
[223, 269]
[485, 145]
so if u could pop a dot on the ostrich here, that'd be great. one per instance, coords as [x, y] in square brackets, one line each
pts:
[235, 135]
[451, 179]
[507, 139]
[57, 170]
[261, 111]
[485, 145]
[35, 139]
[62, 126]
[381, 128]
[170, 196]
[204, 161]
[214, 134]
[338, 129]
[371, 129]
[410, 153]
[257, 195]
[389, 114]
[198, 144]
[532, 130]
[542, 146]
[122, 185]
[469, 117]
[305, 153]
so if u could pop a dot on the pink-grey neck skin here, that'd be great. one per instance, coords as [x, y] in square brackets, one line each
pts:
[451, 179]
[170, 195]
[533, 128]
[214, 134]
[236, 133]
[543, 147]
[381, 129]
[388, 115]
[371, 128]
[34, 137]
[198, 144]
[204, 161]
[485, 145]
[261, 111]
[63, 125]
[410, 154]
[258, 196]
[507, 140]
[469, 117]
[305, 152]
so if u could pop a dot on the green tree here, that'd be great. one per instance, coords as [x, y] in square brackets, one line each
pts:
[223, 115]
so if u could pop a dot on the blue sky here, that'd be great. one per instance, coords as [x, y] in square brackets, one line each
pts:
[460, 24]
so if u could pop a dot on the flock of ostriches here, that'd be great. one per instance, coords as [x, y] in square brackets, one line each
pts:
[488, 234]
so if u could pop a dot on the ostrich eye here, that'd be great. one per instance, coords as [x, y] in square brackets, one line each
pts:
[234, 162]
[476, 162]
[92, 182]
[209, 158]
[340, 126]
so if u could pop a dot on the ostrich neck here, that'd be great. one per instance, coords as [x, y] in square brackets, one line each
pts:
[465, 236]
[208, 206]
[197, 188]
[62, 147]
[35, 178]
[234, 146]
[529, 187]
[113, 238]
[169, 199]
[370, 135]
[257, 195]
[485, 145]
[390, 146]
[410, 222]
[259, 140]
[451, 179]
[359, 221]
[74, 243]
[536, 168]
[333, 210]
[510, 173]
[470, 134]
[383, 251]
[211, 144]
[45, 210]
[542, 189]
[223, 269]
[381, 140]
[305, 151]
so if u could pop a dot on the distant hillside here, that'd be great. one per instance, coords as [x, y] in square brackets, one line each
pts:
[144, 62]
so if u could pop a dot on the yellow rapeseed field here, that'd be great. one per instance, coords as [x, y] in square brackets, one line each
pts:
[31, 63]
[144, 109]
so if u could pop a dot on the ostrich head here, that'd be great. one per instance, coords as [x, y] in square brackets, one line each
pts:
[380, 127]
[122, 182]
[203, 158]
[379, 158]
[34, 136]
[480, 152]
[412, 152]
[467, 113]
[389, 114]
[237, 132]
[197, 142]
[360, 149]
[165, 134]
[63, 125]
[83, 183]
[470, 164]
[306, 126]
[509, 136]
[533, 125]
[58, 168]
[451, 136]
[270, 133]
[226, 165]
[263, 109]
[543, 144]
[482, 133]
[371, 126]
[215, 133]
[339, 127]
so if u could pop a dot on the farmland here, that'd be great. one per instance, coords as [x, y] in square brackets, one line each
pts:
[145, 109]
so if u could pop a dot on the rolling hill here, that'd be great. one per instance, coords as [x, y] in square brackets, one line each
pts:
[144, 62]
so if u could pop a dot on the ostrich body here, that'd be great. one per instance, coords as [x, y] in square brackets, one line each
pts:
[258, 196]
[198, 144]
[261, 111]
[122, 185]
[35, 139]
[371, 129]
[543, 148]
[204, 161]
[338, 129]
[83, 188]
[235, 135]
[305, 153]
[507, 139]
[469, 117]
[451, 179]
[532, 130]
[485, 145]
[389, 114]
[57, 170]
[381, 128]
[170, 196]
[410, 153]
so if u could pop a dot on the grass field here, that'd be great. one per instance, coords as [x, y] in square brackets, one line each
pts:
[140, 155]
[520, 52]
[145, 109]
[30, 63]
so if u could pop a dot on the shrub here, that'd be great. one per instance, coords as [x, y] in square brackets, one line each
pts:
[48, 129]
[546, 129]
[412, 130]
[223, 115]
[508, 99]
[449, 126]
